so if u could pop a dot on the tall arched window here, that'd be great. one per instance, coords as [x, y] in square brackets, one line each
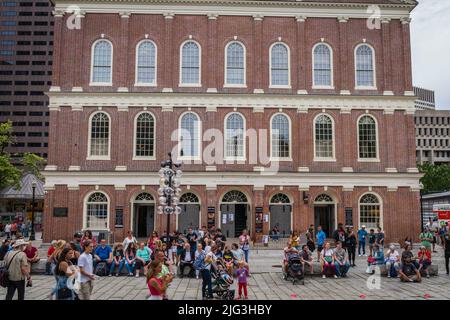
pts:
[234, 136]
[190, 63]
[367, 138]
[99, 135]
[144, 136]
[190, 135]
[322, 66]
[323, 137]
[280, 136]
[279, 65]
[146, 63]
[370, 211]
[97, 212]
[101, 65]
[235, 64]
[365, 66]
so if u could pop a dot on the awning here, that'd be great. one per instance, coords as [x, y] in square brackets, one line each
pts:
[26, 190]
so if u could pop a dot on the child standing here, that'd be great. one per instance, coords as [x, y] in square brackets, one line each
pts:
[242, 275]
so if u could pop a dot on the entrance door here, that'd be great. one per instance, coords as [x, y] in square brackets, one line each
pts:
[324, 216]
[280, 216]
[241, 219]
[189, 217]
[227, 219]
[144, 217]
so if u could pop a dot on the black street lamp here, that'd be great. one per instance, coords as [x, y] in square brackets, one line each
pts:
[169, 192]
[32, 235]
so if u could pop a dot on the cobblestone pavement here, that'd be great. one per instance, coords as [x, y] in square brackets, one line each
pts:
[267, 283]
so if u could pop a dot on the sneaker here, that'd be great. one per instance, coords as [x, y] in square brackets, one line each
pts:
[428, 275]
[137, 275]
[335, 276]
[359, 255]
[110, 275]
[130, 274]
[117, 274]
[197, 277]
[245, 298]
[365, 255]
[324, 276]
[389, 275]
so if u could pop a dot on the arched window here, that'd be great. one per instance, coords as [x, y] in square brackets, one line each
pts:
[234, 196]
[370, 211]
[323, 198]
[322, 66]
[280, 136]
[146, 63]
[364, 66]
[280, 198]
[145, 136]
[279, 65]
[323, 137]
[190, 135]
[144, 197]
[99, 135]
[189, 197]
[101, 72]
[97, 212]
[190, 63]
[234, 136]
[235, 64]
[367, 138]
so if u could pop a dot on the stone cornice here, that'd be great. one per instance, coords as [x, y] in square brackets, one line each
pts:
[219, 100]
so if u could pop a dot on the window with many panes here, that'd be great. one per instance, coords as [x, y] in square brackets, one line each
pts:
[364, 62]
[324, 137]
[234, 136]
[99, 135]
[367, 138]
[280, 136]
[146, 63]
[190, 135]
[97, 212]
[102, 62]
[235, 64]
[279, 65]
[145, 136]
[190, 63]
[322, 66]
[370, 211]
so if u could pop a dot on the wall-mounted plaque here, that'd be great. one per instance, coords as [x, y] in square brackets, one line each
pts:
[349, 216]
[60, 212]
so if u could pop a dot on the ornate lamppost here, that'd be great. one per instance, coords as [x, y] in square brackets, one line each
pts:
[32, 234]
[169, 192]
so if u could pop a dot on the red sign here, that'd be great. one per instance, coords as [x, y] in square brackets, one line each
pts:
[444, 215]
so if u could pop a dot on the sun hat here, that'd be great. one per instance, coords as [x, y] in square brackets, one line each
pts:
[20, 242]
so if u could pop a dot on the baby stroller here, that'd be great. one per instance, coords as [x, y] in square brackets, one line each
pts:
[294, 269]
[221, 281]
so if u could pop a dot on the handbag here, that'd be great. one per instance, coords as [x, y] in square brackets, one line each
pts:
[4, 273]
[64, 293]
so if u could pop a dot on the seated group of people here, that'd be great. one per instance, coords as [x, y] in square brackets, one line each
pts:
[407, 266]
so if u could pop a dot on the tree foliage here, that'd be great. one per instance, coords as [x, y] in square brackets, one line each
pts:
[436, 177]
[10, 174]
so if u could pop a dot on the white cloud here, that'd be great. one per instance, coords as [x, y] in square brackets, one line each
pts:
[430, 43]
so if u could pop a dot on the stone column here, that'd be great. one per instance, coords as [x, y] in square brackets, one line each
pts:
[407, 57]
[80, 53]
[212, 53]
[344, 82]
[169, 82]
[258, 69]
[387, 63]
[57, 39]
[123, 134]
[75, 151]
[122, 58]
[301, 44]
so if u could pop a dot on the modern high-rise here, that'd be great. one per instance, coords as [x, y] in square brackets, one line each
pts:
[425, 99]
[26, 52]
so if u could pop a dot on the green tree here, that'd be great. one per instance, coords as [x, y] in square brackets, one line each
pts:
[10, 174]
[436, 177]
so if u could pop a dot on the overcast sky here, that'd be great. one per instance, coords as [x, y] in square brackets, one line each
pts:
[430, 41]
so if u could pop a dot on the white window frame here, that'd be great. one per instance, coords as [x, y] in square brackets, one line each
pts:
[91, 82]
[107, 157]
[145, 84]
[135, 157]
[331, 86]
[380, 200]
[272, 157]
[288, 86]
[199, 138]
[195, 85]
[333, 133]
[244, 157]
[374, 87]
[85, 204]
[234, 85]
[377, 159]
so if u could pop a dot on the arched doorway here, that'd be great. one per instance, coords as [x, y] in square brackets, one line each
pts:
[234, 213]
[281, 214]
[190, 212]
[143, 215]
[325, 213]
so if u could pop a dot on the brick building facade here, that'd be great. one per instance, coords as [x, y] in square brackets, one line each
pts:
[332, 96]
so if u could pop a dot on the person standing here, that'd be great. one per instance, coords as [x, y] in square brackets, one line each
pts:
[427, 238]
[199, 255]
[86, 266]
[380, 237]
[310, 239]
[321, 236]
[64, 271]
[191, 238]
[372, 239]
[447, 250]
[244, 243]
[14, 230]
[19, 270]
[210, 258]
[157, 286]
[8, 230]
[242, 275]
[362, 235]
[351, 246]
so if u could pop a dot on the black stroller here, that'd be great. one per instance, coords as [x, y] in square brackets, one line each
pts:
[294, 269]
[221, 281]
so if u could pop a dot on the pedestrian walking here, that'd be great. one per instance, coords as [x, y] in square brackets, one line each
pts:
[65, 271]
[19, 271]
[86, 266]
[157, 286]
[362, 235]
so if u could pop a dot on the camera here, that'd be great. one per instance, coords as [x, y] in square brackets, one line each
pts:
[29, 283]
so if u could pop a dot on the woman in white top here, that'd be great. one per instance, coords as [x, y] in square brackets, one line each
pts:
[129, 239]
[327, 259]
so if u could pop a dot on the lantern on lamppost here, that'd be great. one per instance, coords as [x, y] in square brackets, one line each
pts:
[169, 192]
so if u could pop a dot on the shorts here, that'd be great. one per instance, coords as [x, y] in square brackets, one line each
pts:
[319, 248]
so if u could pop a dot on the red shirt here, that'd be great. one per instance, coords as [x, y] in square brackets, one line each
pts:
[30, 252]
[50, 251]
[427, 255]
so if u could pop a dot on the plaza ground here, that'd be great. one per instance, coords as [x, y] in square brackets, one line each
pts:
[267, 283]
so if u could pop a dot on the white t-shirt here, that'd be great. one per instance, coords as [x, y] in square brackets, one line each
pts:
[85, 262]
[392, 256]
[212, 256]
[188, 257]
[208, 249]
[327, 253]
[127, 241]
[8, 228]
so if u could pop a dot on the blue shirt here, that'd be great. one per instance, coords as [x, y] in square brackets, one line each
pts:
[362, 235]
[321, 236]
[103, 253]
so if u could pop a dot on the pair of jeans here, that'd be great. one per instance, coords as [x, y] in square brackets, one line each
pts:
[362, 244]
[113, 266]
[13, 286]
[207, 283]
[130, 266]
[341, 270]
[246, 255]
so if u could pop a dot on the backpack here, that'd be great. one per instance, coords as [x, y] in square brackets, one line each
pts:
[4, 273]
[199, 262]
[101, 269]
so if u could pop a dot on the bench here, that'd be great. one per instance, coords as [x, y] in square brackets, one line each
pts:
[433, 270]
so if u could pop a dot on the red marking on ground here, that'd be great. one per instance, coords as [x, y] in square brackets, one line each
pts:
[293, 296]
[426, 296]
[362, 296]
